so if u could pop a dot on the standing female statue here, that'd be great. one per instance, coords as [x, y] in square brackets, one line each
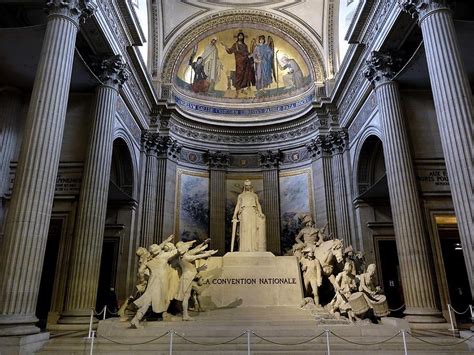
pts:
[248, 213]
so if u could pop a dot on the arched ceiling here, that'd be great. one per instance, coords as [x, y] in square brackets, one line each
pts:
[302, 28]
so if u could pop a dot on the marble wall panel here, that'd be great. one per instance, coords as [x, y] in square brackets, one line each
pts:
[192, 217]
[295, 202]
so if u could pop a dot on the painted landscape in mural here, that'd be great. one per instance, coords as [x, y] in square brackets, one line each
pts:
[249, 64]
[193, 218]
[233, 188]
[295, 202]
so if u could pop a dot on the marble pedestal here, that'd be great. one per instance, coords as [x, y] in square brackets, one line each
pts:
[251, 279]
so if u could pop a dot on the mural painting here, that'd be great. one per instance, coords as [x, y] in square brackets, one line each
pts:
[234, 186]
[249, 64]
[192, 220]
[295, 202]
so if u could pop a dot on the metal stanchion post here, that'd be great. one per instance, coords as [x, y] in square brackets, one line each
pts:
[472, 312]
[248, 342]
[327, 341]
[171, 342]
[105, 311]
[404, 341]
[451, 318]
[92, 342]
[90, 324]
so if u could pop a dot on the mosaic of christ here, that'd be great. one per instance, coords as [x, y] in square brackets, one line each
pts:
[243, 64]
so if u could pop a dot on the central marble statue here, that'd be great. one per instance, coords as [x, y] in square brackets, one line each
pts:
[250, 220]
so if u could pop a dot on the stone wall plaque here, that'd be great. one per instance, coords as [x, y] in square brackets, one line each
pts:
[251, 279]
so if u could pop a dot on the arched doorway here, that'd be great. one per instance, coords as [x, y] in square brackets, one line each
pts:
[372, 205]
[118, 245]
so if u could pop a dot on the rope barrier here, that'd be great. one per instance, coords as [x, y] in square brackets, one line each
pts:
[459, 313]
[289, 344]
[437, 344]
[208, 344]
[396, 310]
[142, 343]
[364, 344]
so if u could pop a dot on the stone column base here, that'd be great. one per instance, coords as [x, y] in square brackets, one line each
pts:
[423, 315]
[27, 344]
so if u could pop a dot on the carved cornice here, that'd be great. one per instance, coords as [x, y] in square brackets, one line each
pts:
[217, 159]
[239, 17]
[112, 71]
[321, 146]
[380, 68]
[73, 10]
[216, 135]
[421, 8]
[270, 159]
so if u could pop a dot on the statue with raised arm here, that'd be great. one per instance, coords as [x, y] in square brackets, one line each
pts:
[248, 214]
[157, 293]
[187, 263]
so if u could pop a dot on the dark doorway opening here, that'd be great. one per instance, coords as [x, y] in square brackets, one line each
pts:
[390, 278]
[108, 271]
[49, 271]
[456, 274]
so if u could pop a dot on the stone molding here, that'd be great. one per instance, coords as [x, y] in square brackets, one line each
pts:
[270, 159]
[74, 10]
[217, 159]
[112, 71]
[380, 68]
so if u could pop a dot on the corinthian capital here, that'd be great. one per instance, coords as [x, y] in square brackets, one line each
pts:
[339, 140]
[217, 159]
[420, 8]
[74, 10]
[380, 68]
[112, 71]
[320, 146]
[270, 159]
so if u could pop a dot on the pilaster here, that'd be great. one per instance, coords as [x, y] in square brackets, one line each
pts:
[339, 141]
[320, 150]
[218, 162]
[270, 162]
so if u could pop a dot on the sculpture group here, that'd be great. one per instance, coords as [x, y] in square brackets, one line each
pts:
[356, 294]
[166, 271]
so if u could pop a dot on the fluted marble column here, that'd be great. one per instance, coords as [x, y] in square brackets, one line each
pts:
[320, 149]
[10, 105]
[88, 237]
[150, 189]
[341, 201]
[218, 163]
[27, 222]
[270, 162]
[168, 151]
[454, 111]
[411, 238]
